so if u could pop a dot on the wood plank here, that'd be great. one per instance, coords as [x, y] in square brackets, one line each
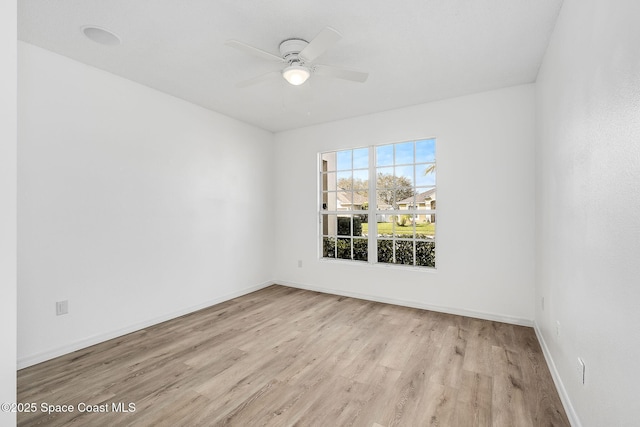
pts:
[473, 406]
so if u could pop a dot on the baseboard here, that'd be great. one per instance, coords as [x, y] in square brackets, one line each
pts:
[78, 345]
[562, 391]
[413, 304]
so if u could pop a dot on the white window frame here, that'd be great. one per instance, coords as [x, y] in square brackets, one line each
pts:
[372, 210]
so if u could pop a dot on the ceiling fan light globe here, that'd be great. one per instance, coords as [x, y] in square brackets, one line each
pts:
[296, 75]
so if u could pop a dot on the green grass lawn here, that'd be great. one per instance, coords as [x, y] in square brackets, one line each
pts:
[387, 228]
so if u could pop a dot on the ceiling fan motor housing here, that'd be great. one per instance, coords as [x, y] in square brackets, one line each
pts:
[289, 49]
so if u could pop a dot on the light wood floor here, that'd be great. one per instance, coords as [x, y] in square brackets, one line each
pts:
[284, 356]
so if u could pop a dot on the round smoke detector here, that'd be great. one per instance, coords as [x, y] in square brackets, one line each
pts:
[100, 35]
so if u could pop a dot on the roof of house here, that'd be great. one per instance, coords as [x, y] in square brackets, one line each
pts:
[420, 197]
[346, 197]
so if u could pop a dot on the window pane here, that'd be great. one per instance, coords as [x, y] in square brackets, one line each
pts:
[345, 180]
[328, 161]
[344, 160]
[360, 225]
[360, 179]
[385, 250]
[344, 226]
[344, 248]
[381, 219]
[386, 199]
[360, 249]
[426, 151]
[403, 195]
[404, 153]
[360, 200]
[404, 252]
[361, 158]
[384, 178]
[425, 253]
[426, 174]
[328, 247]
[403, 227]
[385, 225]
[404, 176]
[384, 155]
[424, 196]
[349, 225]
[329, 225]
[329, 202]
[345, 201]
[407, 203]
[426, 227]
[329, 181]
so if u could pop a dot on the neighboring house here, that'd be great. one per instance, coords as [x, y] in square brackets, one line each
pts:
[348, 201]
[381, 216]
[421, 201]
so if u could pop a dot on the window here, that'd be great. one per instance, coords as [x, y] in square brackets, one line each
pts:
[390, 219]
[345, 200]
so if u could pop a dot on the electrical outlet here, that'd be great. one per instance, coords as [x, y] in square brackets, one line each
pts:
[557, 329]
[62, 307]
[299, 263]
[581, 370]
[542, 303]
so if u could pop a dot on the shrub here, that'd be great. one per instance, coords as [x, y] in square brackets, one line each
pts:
[425, 250]
[385, 251]
[402, 220]
[360, 249]
[404, 252]
[426, 253]
[344, 226]
[344, 248]
[341, 248]
[328, 247]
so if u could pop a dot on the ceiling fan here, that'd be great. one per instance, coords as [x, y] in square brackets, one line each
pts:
[299, 56]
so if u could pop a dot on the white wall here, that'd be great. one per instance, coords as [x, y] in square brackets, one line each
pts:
[588, 208]
[132, 205]
[8, 171]
[485, 236]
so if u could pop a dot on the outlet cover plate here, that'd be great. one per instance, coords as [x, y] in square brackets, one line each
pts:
[62, 307]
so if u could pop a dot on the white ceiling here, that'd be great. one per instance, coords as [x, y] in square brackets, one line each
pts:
[416, 51]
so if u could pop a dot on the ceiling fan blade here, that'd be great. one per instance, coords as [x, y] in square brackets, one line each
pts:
[253, 51]
[259, 79]
[340, 73]
[323, 41]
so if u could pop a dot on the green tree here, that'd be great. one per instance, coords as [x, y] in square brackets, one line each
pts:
[392, 189]
[359, 186]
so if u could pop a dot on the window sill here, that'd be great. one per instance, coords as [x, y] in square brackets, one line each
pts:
[399, 267]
